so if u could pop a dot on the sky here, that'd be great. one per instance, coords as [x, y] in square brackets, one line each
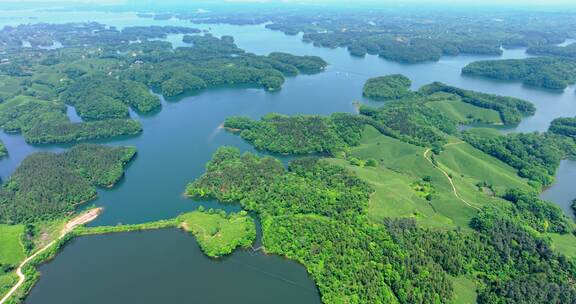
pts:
[323, 2]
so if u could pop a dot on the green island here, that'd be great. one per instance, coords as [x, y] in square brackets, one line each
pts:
[546, 72]
[387, 87]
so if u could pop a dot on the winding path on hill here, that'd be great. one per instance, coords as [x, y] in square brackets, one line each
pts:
[75, 222]
[447, 175]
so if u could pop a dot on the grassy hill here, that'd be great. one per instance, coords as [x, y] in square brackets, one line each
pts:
[402, 165]
[466, 113]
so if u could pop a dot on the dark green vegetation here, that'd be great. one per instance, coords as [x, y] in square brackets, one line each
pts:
[424, 117]
[568, 51]
[411, 36]
[42, 121]
[103, 72]
[511, 109]
[214, 62]
[564, 126]
[98, 96]
[300, 134]
[3, 150]
[387, 87]
[536, 156]
[546, 72]
[316, 213]
[527, 268]
[49, 186]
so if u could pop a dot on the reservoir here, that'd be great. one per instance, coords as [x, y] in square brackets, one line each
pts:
[165, 265]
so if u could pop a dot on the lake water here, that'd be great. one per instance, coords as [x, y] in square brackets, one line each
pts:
[179, 140]
[166, 266]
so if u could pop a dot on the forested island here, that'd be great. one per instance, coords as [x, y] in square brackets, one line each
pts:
[387, 87]
[546, 72]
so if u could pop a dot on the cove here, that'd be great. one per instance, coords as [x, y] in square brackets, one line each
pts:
[126, 268]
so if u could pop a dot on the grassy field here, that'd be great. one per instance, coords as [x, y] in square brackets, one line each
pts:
[394, 197]
[564, 243]
[466, 162]
[400, 165]
[465, 113]
[11, 250]
[464, 290]
[219, 234]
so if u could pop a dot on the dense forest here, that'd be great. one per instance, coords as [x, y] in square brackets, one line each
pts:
[48, 186]
[546, 72]
[564, 126]
[387, 87]
[315, 213]
[535, 155]
[299, 134]
[568, 51]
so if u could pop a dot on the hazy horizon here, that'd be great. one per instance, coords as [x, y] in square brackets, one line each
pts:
[373, 3]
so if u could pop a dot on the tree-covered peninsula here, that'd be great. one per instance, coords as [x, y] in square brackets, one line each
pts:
[564, 126]
[546, 72]
[423, 117]
[48, 186]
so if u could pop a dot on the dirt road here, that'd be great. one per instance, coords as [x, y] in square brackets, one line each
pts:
[81, 219]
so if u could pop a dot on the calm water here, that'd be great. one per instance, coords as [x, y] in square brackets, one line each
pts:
[180, 139]
[166, 266]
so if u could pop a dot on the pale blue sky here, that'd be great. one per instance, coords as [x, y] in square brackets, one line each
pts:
[325, 2]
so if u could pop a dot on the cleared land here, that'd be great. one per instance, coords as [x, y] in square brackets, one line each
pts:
[11, 250]
[218, 233]
[464, 290]
[466, 113]
[400, 165]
